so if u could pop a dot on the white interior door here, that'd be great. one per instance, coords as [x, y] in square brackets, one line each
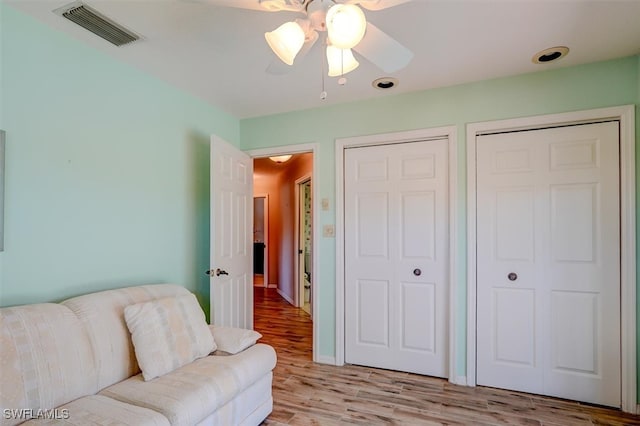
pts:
[396, 256]
[548, 262]
[231, 236]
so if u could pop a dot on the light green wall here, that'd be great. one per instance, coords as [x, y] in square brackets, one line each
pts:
[595, 85]
[107, 171]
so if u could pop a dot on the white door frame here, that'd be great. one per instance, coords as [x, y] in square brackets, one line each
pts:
[299, 293]
[315, 295]
[449, 133]
[265, 232]
[628, 229]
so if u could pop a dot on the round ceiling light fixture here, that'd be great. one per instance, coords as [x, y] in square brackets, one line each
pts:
[279, 159]
[385, 83]
[549, 55]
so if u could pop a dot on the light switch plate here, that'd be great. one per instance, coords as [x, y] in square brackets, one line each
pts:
[325, 204]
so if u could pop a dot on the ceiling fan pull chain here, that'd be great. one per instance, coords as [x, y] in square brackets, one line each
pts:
[323, 94]
[342, 80]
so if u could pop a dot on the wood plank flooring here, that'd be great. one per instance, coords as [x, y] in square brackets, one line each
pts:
[306, 393]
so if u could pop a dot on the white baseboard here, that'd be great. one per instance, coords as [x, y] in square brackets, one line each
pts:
[272, 286]
[286, 297]
[324, 359]
[459, 380]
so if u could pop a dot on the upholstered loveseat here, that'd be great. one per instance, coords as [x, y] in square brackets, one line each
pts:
[76, 363]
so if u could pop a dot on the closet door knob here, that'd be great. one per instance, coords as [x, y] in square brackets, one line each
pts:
[417, 272]
[512, 276]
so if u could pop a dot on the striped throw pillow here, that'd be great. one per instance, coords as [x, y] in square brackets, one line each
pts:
[168, 333]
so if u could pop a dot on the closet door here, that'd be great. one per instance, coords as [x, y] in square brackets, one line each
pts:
[548, 262]
[396, 256]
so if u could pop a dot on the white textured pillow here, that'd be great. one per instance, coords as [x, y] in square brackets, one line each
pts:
[233, 340]
[168, 333]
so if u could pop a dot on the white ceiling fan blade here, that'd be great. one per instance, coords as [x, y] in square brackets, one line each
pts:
[277, 67]
[261, 5]
[377, 4]
[382, 50]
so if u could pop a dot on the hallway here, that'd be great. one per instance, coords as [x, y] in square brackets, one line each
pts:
[283, 326]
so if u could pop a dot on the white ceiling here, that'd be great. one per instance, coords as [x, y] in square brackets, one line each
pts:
[219, 53]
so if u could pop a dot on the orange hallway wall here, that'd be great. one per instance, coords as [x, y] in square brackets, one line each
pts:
[268, 184]
[302, 166]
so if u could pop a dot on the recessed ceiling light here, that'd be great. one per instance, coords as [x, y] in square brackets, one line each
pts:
[385, 83]
[550, 54]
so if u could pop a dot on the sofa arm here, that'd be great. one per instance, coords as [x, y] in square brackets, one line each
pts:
[231, 340]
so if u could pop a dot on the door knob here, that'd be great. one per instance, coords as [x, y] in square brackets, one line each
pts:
[217, 272]
[417, 272]
[512, 276]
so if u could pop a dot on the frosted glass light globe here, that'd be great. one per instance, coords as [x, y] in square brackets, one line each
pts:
[286, 41]
[346, 25]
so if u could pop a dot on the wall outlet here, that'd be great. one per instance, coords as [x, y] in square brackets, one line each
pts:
[328, 231]
[325, 204]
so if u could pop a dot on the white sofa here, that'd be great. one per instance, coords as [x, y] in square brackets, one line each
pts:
[74, 363]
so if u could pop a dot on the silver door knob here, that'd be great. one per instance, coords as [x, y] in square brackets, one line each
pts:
[217, 272]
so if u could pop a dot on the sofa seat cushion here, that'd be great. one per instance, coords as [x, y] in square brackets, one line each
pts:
[100, 410]
[189, 394]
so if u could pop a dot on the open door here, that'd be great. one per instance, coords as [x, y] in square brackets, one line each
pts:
[231, 246]
[304, 242]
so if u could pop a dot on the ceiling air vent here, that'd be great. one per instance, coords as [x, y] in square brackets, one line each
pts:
[97, 23]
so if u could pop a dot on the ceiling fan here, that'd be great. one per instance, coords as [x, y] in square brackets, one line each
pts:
[346, 27]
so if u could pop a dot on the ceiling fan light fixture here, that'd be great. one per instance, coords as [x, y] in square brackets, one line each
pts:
[341, 61]
[286, 41]
[346, 25]
[280, 158]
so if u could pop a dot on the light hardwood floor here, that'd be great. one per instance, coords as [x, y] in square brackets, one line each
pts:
[306, 393]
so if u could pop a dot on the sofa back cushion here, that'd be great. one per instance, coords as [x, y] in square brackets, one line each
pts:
[46, 359]
[103, 316]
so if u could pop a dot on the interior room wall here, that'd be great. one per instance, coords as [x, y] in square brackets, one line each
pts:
[300, 166]
[266, 183]
[552, 90]
[107, 171]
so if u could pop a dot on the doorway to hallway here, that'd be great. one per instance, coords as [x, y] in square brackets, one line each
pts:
[286, 186]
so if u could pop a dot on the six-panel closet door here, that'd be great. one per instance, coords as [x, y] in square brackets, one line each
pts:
[548, 262]
[397, 256]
